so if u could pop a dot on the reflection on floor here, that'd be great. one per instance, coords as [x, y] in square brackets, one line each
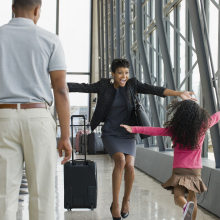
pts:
[149, 201]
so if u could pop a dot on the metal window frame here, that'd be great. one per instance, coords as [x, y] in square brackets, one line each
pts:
[134, 47]
[147, 74]
[205, 73]
[118, 29]
[91, 50]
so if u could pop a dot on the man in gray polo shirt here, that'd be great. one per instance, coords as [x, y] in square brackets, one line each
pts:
[28, 56]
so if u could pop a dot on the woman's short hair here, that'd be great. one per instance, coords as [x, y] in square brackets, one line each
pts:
[117, 63]
[27, 4]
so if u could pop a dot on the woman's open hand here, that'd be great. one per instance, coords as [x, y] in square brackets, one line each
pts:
[187, 95]
[128, 128]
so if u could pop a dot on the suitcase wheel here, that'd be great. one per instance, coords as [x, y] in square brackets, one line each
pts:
[68, 207]
[92, 207]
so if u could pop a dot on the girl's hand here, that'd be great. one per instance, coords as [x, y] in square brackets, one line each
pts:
[128, 128]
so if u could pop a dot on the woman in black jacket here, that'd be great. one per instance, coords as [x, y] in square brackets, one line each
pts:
[115, 107]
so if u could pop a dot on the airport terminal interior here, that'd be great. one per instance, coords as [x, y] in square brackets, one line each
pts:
[170, 43]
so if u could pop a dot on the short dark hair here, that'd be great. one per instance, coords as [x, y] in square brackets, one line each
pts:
[27, 4]
[117, 63]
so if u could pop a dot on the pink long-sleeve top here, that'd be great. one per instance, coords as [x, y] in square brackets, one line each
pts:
[183, 158]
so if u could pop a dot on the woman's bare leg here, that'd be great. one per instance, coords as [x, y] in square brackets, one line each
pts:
[179, 196]
[129, 179]
[191, 196]
[120, 163]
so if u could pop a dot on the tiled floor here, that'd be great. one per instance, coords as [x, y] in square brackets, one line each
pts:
[149, 201]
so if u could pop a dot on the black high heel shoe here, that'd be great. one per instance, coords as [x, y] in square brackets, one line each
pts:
[124, 215]
[119, 218]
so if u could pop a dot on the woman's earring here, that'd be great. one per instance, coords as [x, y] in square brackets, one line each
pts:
[112, 81]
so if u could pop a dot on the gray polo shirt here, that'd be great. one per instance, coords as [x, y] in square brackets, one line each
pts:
[27, 54]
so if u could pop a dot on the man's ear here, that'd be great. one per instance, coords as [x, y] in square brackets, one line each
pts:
[13, 8]
[36, 11]
[113, 74]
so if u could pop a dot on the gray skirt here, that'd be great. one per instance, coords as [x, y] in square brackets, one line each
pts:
[114, 145]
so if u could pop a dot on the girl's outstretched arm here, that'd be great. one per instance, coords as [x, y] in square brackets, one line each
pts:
[215, 118]
[152, 131]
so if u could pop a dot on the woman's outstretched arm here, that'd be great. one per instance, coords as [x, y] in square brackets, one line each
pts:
[183, 95]
[145, 88]
[152, 131]
[83, 87]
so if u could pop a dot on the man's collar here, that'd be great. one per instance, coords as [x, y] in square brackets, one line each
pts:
[21, 21]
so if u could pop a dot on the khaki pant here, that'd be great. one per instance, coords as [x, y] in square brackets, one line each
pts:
[27, 135]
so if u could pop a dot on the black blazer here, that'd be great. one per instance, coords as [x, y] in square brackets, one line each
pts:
[106, 95]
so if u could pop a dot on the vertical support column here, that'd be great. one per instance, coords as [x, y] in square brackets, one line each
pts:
[219, 45]
[127, 36]
[99, 38]
[106, 40]
[94, 77]
[13, 15]
[205, 73]
[103, 41]
[158, 67]
[205, 143]
[146, 70]
[118, 35]
[188, 49]
[177, 46]
[57, 16]
[57, 32]
[112, 29]
[150, 55]
[163, 45]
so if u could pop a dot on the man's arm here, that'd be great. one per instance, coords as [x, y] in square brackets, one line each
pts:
[58, 80]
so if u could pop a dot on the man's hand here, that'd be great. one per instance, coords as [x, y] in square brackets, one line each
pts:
[187, 95]
[128, 128]
[64, 144]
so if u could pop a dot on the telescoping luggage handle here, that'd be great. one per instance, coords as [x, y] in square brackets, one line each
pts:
[79, 116]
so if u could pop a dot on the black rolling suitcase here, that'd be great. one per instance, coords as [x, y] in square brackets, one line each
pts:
[80, 181]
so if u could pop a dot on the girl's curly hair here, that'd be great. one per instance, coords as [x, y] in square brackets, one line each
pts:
[188, 123]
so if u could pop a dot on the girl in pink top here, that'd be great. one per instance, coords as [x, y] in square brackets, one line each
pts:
[187, 127]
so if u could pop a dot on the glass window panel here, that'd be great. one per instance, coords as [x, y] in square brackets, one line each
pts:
[170, 36]
[75, 29]
[5, 11]
[182, 62]
[182, 28]
[155, 55]
[79, 102]
[210, 147]
[48, 16]
[196, 80]
[182, 14]
[213, 34]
